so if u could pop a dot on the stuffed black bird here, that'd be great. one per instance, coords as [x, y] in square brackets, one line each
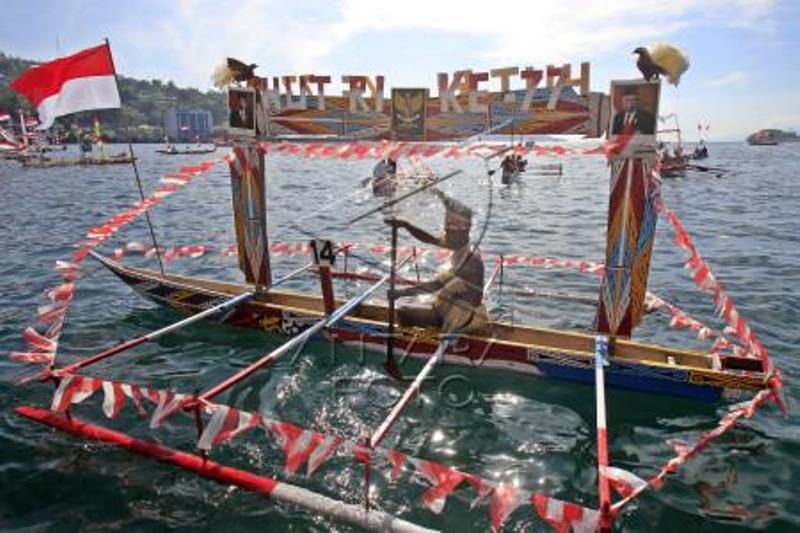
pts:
[646, 66]
[233, 70]
[662, 59]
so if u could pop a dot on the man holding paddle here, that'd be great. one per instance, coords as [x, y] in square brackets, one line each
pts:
[458, 291]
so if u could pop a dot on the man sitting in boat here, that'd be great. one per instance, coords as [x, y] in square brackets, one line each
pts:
[509, 166]
[700, 151]
[383, 177]
[86, 146]
[458, 290]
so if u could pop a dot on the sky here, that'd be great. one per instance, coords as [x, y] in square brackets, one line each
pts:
[744, 54]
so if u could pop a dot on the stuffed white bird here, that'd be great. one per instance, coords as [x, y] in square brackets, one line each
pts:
[232, 70]
[662, 59]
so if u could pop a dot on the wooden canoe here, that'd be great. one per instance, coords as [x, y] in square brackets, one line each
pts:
[522, 349]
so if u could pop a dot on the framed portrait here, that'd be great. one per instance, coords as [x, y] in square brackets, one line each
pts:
[634, 112]
[241, 111]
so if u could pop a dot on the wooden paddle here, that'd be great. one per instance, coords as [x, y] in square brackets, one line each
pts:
[390, 364]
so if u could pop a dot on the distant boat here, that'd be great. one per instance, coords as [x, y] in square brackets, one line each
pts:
[771, 137]
[171, 149]
[45, 162]
[700, 151]
[189, 151]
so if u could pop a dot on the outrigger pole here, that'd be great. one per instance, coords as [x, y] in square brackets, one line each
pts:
[394, 414]
[202, 466]
[233, 302]
[278, 352]
[391, 364]
[383, 429]
[600, 360]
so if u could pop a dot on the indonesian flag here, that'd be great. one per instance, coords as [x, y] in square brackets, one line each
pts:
[79, 82]
[4, 117]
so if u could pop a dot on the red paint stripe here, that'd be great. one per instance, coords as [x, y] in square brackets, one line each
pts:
[47, 79]
[194, 463]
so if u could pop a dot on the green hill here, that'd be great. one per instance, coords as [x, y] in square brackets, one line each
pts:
[143, 104]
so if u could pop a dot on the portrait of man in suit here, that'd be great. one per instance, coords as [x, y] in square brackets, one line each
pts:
[633, 117]
[241, 106]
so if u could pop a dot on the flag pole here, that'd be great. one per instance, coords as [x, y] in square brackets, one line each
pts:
[136, 170]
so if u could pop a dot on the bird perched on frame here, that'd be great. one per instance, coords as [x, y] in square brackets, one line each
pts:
[233, 70]
[662, 59]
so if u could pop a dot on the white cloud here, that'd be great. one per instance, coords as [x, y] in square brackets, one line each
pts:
[731, 78]
[296, 37]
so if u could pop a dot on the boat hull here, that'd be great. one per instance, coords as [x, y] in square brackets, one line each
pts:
[520, 349]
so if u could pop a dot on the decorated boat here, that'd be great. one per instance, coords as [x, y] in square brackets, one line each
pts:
[46, 162]
[171, 149]
[737, 364]
[763, 138]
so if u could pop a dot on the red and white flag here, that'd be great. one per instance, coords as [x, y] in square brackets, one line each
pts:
[80, 82]
[4, 117]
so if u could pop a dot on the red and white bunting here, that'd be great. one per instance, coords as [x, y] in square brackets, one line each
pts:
[706, 281]
[61, 293]
[396, 459]
[73, 389]
[52, 311]
[226, 423]
[298, 444]
[114, 398]
[444, 480]
[66, 267]
[301, 445]
[42, 358]
[134, 392]
[381, 149]
[45, 346]
[506, 498]
[325, 446]
[168, 402]
[38, 341]
[362, 454]
[565, 516]
[481, 487]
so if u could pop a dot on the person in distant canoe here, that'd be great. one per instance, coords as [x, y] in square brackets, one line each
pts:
[86, 145]
[458, 290]
[700, 151]
[509, 168]
[632, 117]
[383, 177]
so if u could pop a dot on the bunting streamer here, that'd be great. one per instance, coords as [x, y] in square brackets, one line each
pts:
[684, 450]
[506, 498]
[305, 447]
[679, 318]
[43, 346]
[395, 150]
[443, 479]
[302, 446]
[707, 282]
[565, 516]
[298, 248]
